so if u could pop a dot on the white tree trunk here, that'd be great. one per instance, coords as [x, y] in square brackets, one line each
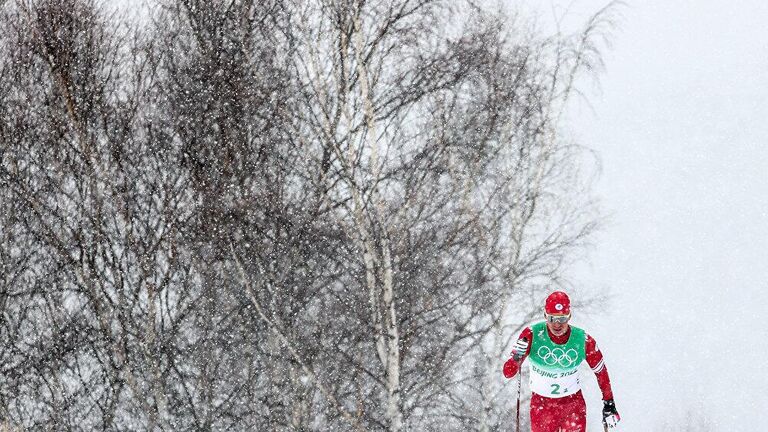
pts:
[387, 332]
[394, 411]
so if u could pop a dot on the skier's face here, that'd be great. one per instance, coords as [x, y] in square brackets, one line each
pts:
[558, 326]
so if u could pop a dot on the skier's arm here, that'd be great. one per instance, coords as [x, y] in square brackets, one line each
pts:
[519, 353]
[597, 363]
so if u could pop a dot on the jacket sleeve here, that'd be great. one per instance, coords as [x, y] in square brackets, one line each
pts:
[512, 366]
[597, 363]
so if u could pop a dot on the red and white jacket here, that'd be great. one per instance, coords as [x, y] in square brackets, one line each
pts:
[594, 359]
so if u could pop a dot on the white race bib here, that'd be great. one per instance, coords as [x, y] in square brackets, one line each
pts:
[554, 384]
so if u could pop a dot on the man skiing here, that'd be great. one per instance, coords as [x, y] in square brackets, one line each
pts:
[555, 350]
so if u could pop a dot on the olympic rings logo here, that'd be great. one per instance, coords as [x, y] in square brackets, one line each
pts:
[558, 356]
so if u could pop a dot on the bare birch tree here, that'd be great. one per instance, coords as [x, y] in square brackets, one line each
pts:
[301, 215]
[102, 211]
[441, 157]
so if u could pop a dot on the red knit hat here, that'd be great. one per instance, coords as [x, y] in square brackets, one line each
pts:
[558, 303]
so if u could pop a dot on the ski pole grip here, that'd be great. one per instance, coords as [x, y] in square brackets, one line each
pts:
[520, 349]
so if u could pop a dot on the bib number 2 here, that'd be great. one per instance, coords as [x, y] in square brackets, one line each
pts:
[555, 389]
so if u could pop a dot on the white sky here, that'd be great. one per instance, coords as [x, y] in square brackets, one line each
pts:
[680, 126]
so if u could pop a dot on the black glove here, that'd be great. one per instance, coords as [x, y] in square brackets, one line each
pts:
[610, 415]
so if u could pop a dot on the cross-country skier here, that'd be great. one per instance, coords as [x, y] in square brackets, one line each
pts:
[555, 350]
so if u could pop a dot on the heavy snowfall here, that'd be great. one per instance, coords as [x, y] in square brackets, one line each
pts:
[294, 215]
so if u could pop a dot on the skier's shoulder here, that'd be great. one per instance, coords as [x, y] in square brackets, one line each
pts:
[587, 336]
[590, 342]
[527, 333]
[539, 328]
[579, 329]
[583, 334]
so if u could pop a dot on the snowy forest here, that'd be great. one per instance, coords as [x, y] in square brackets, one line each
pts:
[281, 215]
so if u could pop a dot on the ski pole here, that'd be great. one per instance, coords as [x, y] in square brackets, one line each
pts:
[518, 357]
[519, 385]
